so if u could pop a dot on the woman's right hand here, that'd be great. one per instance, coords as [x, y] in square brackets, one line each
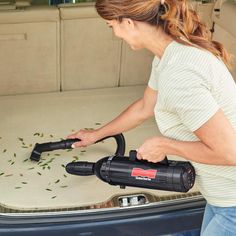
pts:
[87, 138]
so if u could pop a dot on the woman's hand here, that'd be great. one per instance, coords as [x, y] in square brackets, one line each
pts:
[87, 138]
[152, 150]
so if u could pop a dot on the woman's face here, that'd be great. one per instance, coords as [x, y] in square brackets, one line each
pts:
[126, 30]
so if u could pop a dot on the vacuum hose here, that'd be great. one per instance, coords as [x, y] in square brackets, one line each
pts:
[66, 144]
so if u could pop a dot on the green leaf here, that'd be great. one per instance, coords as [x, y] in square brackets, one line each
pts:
[64, 186]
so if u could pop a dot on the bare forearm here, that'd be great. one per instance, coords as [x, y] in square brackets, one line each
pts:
[134, 115]
[199, 152]
[128, 119]
[216, 145]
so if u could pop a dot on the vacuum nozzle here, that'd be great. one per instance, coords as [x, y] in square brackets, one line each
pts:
[36, 153]
[81, 168]
[51, 146]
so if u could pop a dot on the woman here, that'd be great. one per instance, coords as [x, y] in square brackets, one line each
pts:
[191, 93]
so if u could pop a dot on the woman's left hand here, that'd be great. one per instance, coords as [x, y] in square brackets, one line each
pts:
[152, 150]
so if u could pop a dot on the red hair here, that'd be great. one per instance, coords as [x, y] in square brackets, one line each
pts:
[174, 16]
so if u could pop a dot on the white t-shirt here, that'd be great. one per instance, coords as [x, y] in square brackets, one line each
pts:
[192, 85]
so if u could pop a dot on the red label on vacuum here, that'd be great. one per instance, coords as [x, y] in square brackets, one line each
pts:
[138, 172]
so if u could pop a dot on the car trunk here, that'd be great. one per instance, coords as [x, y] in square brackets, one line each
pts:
[67, 72]
[30, 186]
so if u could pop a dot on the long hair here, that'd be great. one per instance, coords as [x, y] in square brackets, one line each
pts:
[174, 16]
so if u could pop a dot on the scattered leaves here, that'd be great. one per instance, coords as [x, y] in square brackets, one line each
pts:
[76, 158]
[64, 186]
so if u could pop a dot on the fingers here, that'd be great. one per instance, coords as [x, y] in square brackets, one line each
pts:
[76, 135]
[87, 137]
[72, 136]
[78, 144]
[139, 157]
[148, 156]
[142, 156]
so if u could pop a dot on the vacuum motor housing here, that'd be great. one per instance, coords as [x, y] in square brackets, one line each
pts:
[176, 176]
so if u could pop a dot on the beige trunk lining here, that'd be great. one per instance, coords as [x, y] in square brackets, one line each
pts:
[29, 119]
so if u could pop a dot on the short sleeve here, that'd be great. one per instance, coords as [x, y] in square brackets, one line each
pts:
[152, 83]
[188, 94]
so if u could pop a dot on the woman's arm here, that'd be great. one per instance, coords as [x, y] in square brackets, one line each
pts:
[217, 145]
[134, 115]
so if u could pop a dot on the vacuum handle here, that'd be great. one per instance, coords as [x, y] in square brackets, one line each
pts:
[51, 146]
[67, 143]
[64, 144]
[133, 157]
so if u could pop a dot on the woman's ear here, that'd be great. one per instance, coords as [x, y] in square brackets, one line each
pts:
[129, 23]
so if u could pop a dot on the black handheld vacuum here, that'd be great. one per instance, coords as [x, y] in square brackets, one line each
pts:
[117, 169]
